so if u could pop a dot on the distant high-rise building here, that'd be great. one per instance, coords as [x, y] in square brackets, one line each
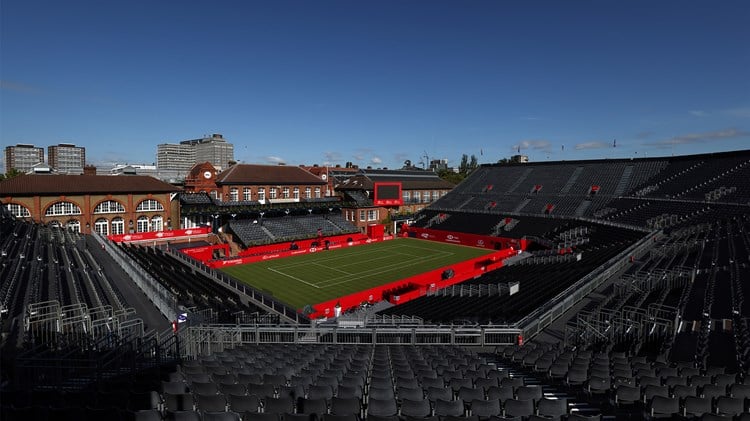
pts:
[182, 156]
[67, 158]
[23, 157]
[175, 157]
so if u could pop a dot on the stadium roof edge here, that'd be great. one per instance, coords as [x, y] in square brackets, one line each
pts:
[651, 158]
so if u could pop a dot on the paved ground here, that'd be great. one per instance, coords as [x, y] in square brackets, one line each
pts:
[151, 316]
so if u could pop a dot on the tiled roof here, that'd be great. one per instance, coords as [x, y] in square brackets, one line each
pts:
[57, 184]
[267, 174]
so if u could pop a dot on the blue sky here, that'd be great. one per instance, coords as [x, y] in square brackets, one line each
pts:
[377, 82]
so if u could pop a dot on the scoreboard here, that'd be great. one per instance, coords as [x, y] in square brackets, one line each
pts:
[387, 194]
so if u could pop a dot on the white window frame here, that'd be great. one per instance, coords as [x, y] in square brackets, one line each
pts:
[285, 193]
[19, 211]
[73, 225]
[295, 193]
[149, 205]
[101, 226]
[308, 193]
[261, 193]
[118, 225]
[109, 206]
[247, 194]
[272, 193]
[362, 215]
[317, 192]
[62, 209]
[157, 223]
[234, 194]
[142, 224]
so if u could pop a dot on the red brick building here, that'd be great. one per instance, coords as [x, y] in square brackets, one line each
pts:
[331, 175]
[93, 203]
[202, 179]
[268, 184]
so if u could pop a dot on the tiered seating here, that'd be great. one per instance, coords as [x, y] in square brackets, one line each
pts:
[538, 284]
[596, 188]
[249, 232]
[287, 228]
[335, 382]
[486, 224]
[193, 289]
[628, 387]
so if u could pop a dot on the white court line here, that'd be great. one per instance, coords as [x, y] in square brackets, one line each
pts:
[346, 278]
[363, 276]
[293, 277]
[375, 272]
[331, 258]
[330, 268]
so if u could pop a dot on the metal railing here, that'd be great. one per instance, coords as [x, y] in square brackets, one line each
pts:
[206, 340]
[160, 296]
[247, 292]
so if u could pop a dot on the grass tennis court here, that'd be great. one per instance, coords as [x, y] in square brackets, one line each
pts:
[317, 277]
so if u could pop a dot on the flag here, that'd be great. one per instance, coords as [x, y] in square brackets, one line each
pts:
[481, 152]
[562, 148]
[614, 143]
[519, 148]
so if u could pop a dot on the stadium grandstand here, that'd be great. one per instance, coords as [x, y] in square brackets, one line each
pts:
[619, 294]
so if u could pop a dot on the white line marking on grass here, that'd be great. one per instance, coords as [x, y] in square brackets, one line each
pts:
[332, 258]
[331, 268]
[376, 272]
[389, 269]
[294, 277]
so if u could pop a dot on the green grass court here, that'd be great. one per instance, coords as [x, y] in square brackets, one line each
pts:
[317, 277]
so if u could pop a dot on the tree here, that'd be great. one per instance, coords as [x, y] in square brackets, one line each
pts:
[451, 176]
[10, 174]
[463, 167]
[473, 164]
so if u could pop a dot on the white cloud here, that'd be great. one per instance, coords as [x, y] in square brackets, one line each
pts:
[534, 144]
[730, 133]
[698, 113]
[592, 145]
[274, 160]
[331, 158]
[376, 160]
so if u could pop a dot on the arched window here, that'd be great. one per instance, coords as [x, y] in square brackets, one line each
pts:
[295, 193]
[101, 226]
[149, 205]
[261, 193]
[234, 194]
[142, 225]
[285, 193]
[109, 206]
[157, 223]
[118, 226]
[308, 193]
[247, 194]
[317, 192]
[19, 211]
[63, 208]
[73, 225]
